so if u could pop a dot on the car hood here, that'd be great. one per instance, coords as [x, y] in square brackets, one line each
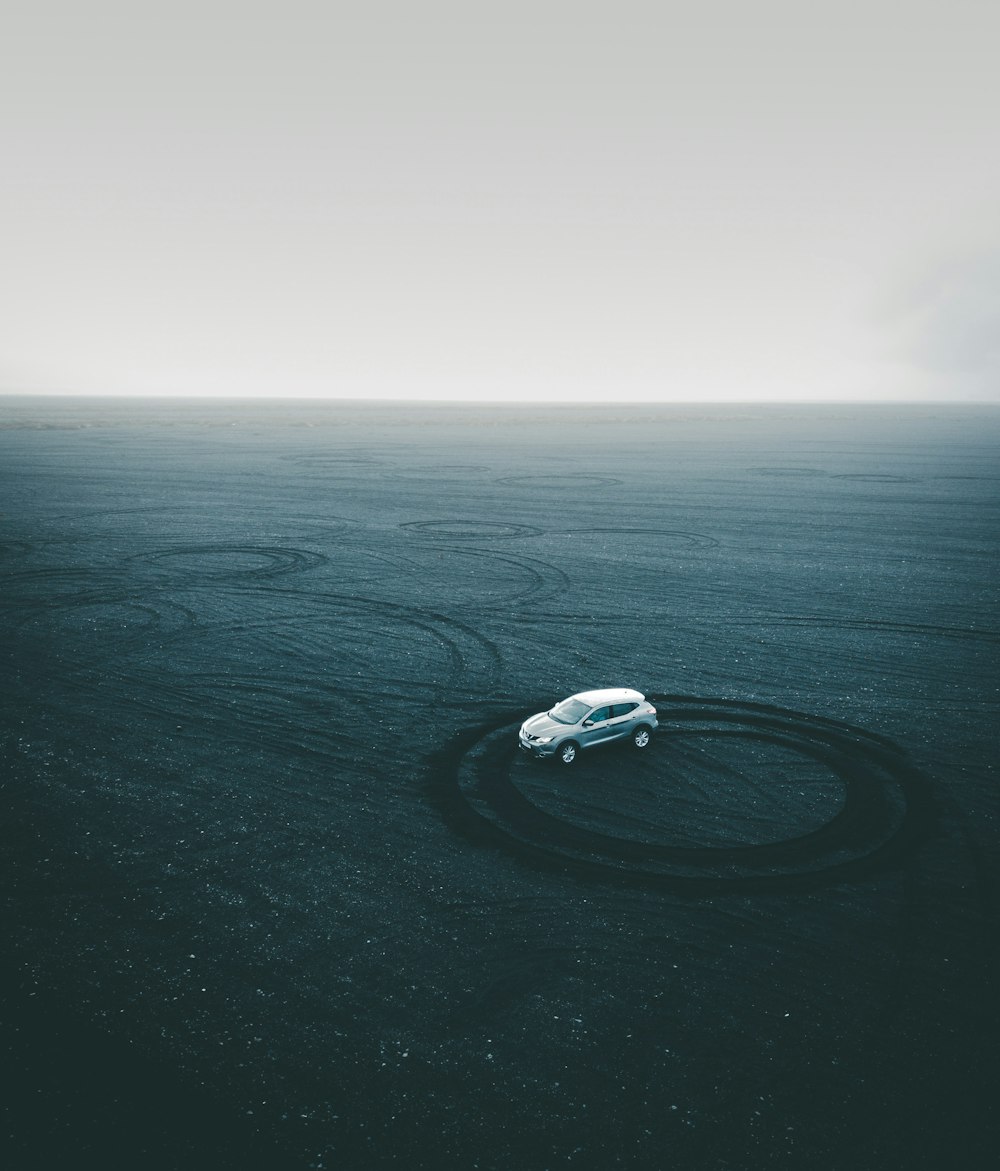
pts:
[543, 725]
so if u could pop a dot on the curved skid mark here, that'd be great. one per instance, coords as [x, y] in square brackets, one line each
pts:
[771, 739]
[980, 477]
[276, 561]
[396, 561]
[330, 459]
[525, 817]
[310, 635]
[449, 468]
[272, 710]
[885, 813]
[487, 677]
[111, 512]
[13, 547]
[701, 540]
[820, 622]
[569, 480]
[109, 618]
[48, 588]
[560, 618]
[455, 635]
[470, 530]
[547, 580]
[876, 478]
[791, 472]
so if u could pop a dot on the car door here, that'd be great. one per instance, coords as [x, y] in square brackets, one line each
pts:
[622, 719]
[596, 726]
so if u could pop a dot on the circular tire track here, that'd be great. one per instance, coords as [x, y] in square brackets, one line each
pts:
[110, 623]
[871, 625]
[790, 473]
[470, 530]
[427, 475]
[971, 477]
[301, 643]
[874, 478]
[545, 580]
[301, 718]
[115, 513]
[322, 461]
[472, 578]
[141, 523]
[12, 547]
[885, 811]
[569, 480]
[55, 586]
[221, 562]
[459, 468]
[698, 540]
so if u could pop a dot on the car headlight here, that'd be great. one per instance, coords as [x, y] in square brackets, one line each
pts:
[544, 739]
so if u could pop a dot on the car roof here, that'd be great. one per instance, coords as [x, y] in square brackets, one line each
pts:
[609, 695]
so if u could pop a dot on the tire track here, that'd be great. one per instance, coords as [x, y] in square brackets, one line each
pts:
[699, 540]
[293, 641]
[300, 719]
[547, 581]
[332, 459]
[111, 513]
[876, 478]
[569, 480]
[822, 622]
[790, 473]
[885, 813]
[117, 623]
[56, 586]
[11, 547]
[470, 530]
[476, 661]
[213, 561]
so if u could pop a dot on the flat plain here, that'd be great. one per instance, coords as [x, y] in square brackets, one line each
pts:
[279, 890]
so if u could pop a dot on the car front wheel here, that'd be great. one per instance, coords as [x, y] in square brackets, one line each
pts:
[567, 752]
[640, 737]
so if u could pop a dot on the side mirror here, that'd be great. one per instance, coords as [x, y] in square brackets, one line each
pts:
[588, 723]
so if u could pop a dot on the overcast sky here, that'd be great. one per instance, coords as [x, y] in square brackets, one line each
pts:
[736, 200]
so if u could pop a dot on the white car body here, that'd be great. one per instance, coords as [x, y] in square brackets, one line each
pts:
[587, 719]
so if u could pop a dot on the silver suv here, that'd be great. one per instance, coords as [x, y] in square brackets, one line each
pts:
[586, 719]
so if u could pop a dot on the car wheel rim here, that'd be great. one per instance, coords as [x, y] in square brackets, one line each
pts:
[641, 739]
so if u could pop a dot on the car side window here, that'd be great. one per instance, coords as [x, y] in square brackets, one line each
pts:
[601, 713]
[623, 709]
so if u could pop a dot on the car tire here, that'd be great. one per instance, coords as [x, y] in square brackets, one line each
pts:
[641, 736]
[567, 752]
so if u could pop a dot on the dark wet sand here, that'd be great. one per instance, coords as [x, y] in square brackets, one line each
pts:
[279, 892]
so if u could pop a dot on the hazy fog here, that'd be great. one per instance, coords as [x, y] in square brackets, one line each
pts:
[566, 201]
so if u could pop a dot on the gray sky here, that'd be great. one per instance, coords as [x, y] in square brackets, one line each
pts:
[739, 199]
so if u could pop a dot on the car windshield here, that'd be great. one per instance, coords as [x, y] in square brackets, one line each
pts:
[570, 711]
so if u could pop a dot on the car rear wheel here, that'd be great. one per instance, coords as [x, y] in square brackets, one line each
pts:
[567, 752]
[640, 737]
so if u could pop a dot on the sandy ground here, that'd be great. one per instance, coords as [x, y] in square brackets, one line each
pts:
[279, 891]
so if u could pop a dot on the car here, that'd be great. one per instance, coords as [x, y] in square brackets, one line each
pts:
[587, 719]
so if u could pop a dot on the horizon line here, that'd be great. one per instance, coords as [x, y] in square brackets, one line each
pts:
[617, 401]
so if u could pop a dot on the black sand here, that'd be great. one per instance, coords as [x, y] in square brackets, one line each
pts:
[278, 892]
